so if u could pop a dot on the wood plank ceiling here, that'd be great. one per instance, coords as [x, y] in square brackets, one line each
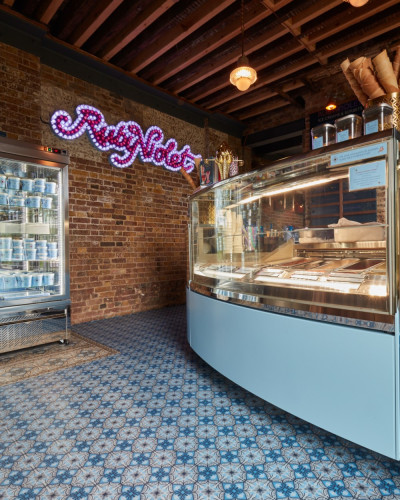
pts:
[188, 48]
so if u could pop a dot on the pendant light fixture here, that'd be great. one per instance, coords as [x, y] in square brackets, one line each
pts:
[331, 104]
[356, 3]
[244, 75]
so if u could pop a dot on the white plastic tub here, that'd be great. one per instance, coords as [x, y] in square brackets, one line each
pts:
[362, 232]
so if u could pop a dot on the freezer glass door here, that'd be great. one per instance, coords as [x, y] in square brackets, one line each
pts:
[32, 250]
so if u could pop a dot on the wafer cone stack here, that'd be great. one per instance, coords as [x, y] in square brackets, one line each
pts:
[385, 73]
[356, 87]
[363, 72]
[396, 63]
[370, 84]
[356, 65]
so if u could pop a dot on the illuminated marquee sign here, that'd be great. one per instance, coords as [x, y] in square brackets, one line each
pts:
[127, 138]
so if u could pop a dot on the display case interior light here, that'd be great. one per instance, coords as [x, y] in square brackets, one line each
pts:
[378, 290]
[294, 187]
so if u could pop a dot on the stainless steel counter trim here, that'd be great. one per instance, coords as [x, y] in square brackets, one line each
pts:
[267, 296]
[301, 310]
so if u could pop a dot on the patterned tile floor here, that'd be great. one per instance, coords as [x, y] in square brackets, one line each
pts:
[156, 422]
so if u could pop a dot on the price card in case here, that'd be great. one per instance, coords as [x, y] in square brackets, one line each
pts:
[367, 176]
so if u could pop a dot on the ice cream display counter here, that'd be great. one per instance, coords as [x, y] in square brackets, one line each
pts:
[294, 286]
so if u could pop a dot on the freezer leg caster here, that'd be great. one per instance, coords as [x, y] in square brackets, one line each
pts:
[64, 341]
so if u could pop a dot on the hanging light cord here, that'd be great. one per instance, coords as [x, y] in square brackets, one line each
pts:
[242, 27]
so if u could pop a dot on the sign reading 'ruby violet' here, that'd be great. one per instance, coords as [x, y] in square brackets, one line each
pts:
[125, 137]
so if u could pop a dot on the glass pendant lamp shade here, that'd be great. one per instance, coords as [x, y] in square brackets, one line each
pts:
[357, 3]
[244, 75]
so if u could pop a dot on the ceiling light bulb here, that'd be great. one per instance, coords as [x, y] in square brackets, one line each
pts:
[357, 3]
[244, 75]
[242, 84]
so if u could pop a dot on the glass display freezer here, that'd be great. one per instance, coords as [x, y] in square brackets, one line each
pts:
[34, 273]
[299, 261]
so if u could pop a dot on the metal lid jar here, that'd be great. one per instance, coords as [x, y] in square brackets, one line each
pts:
[323, 135]
[348, 127]
[377, 118]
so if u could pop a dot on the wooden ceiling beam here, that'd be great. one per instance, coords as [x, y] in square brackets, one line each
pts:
[373, 30]
[91, 23]
[294, 24]
[9, 3]
[264, 108]
[161, 72]
[340, 22]
[246, 101]
[210, 67]
[156, 9]
[290, 99]
[274, 5]
[175, 35]
[47, 10]
[313, 11]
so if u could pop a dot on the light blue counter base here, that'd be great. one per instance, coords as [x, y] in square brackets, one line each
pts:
[337, 377]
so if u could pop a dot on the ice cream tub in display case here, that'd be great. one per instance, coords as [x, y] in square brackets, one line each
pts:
[26, 184]
[30, 253]
[24, 280]
[33, 201]
[5, 242]
[50, 188]
[17, 201]
[46, 202]
[52, 253]
[48, 279]
[18, 254]
[39, 185]
[13, 183]
[5, 254]
[37, 279]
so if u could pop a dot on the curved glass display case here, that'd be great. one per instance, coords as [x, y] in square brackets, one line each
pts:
[312, 235]
[299, 262]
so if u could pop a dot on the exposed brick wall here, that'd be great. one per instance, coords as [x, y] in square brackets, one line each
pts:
[128, 227]
[19, 94]
[128, 238]
[283, 217]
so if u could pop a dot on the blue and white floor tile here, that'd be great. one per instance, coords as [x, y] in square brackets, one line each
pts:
[156, 422]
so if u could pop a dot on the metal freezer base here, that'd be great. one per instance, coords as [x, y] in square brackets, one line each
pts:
[31, 328]
[340, 378]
